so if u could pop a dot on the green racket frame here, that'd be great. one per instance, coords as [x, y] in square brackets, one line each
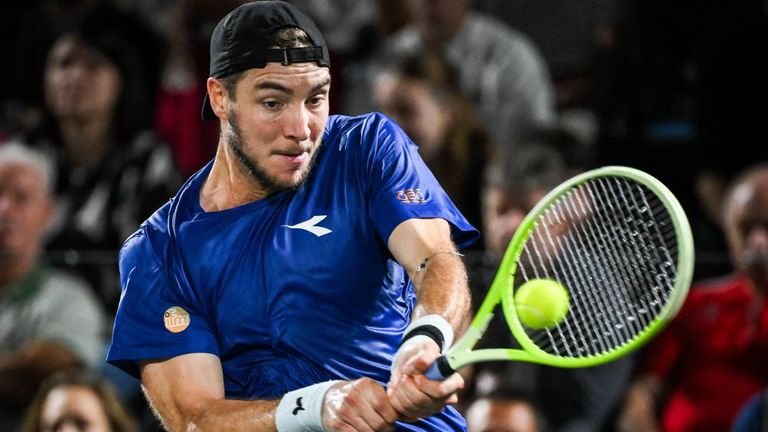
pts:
[502, 288]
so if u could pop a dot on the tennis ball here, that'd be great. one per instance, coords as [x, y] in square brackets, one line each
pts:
[541, 303]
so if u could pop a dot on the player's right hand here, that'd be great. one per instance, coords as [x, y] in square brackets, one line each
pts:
[359, 405]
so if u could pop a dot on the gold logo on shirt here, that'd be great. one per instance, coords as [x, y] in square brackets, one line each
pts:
[176, 319]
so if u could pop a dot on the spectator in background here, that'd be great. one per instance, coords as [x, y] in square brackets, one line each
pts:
[27, 29]
[423, 97]
[49, 321]
[515, 182]
[731, 100]
[78, 400]
[572, 37]
[568, 399]
[178, 122]
[711, 359]
[100, 80]
[499, 69]
[752, 415]
[503, 411]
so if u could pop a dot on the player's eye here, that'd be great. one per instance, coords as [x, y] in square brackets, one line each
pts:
[271, 105]
[316, 100]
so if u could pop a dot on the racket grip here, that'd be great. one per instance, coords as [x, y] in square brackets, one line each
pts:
[439, 370]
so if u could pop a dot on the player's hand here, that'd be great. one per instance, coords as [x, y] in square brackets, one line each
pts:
[359, 405]
[411, 393]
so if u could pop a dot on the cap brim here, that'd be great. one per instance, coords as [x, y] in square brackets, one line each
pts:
[207, 112]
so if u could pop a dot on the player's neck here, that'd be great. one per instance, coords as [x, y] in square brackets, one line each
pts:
[228, 185]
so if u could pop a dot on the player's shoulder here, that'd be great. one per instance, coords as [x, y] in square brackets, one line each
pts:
[368, 132]
[150, 240]
[155, 232]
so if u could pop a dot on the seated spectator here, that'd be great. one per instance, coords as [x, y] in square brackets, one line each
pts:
[502, 411]
[187, 25]
[112, 171]
[499, 69]
[49, 321]
[712, 358]
[422, 95]
[78, 400]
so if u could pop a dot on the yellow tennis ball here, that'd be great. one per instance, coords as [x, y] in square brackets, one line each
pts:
[541, 303]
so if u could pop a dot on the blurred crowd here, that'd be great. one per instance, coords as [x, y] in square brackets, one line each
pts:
[100, 124]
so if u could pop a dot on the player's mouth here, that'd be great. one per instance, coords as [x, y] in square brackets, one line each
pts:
[293, 158]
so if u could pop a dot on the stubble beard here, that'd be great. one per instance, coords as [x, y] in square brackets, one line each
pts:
[269, 183]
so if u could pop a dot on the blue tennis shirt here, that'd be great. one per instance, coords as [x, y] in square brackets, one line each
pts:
[293, 289]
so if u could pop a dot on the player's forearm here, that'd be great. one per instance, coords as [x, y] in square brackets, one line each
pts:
[220, 415]
[441, 288]
[187, 394]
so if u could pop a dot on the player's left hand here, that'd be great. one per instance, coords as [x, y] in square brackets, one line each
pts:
[411, 393]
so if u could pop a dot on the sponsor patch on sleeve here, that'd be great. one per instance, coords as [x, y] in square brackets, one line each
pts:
[410, 196]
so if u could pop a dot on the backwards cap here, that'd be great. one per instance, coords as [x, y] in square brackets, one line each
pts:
[240, 41]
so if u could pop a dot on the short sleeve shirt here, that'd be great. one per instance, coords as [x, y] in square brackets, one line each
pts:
[293, 289]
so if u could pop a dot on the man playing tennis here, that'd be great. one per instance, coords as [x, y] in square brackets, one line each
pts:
[287, 281]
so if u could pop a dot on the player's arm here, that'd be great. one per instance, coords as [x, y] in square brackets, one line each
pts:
[424, 247]
[187, 393]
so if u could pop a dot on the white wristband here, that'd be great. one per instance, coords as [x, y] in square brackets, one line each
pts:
[435, 321]
[404, 346]
[302, 410]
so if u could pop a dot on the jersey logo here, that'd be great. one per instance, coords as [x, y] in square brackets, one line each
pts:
[311, 226]
[410, 196]
[176, 319]
[298, 407]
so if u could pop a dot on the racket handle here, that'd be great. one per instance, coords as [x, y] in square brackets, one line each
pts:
[439, 370]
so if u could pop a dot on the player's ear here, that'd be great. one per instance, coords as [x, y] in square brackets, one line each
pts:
[218, 97]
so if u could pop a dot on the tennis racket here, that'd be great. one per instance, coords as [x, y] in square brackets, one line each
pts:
[618, 240]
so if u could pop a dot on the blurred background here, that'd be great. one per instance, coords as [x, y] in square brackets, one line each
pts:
[505, 99]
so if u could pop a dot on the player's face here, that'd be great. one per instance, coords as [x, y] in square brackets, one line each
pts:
[73, 408]
[25, 210]
[746, 228]
[79, 81]
[275, 124]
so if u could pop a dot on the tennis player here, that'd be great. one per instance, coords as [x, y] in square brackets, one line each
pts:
[303, 279]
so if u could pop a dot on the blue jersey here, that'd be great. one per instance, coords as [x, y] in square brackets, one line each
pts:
[293, 289]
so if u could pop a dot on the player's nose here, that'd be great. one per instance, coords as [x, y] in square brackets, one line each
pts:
[297, 124]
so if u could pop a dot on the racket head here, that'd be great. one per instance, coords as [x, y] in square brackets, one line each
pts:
[620, 242]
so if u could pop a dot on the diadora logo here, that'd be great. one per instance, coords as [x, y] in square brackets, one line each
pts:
[411, 196]
[311, 226]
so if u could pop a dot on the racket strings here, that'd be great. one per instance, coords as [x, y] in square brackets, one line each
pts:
[611, 242]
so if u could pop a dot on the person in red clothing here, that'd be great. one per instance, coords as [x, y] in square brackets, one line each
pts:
[713, 356]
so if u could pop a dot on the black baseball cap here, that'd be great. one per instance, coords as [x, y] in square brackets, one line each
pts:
[240, 41]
